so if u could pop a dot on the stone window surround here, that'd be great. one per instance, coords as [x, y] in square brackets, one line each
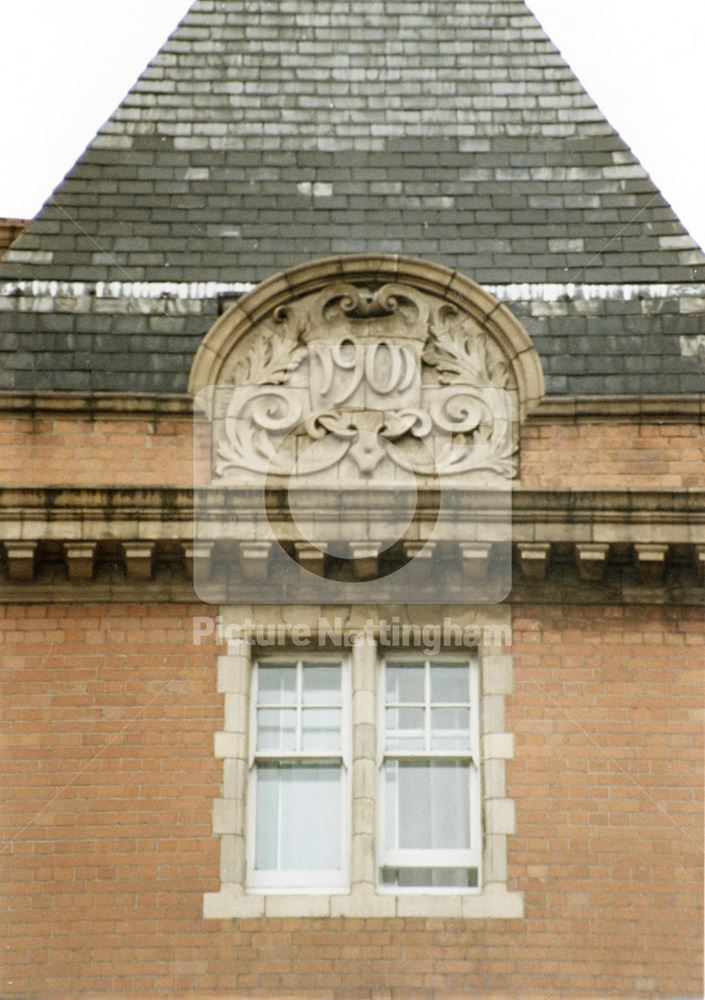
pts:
[363, 900]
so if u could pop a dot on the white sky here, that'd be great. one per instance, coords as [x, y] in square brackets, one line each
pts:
[67, 64]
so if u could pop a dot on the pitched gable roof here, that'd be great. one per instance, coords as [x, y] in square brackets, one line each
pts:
[267, 133]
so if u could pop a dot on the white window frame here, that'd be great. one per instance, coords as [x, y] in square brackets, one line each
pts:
[428, 858]
[301, 880]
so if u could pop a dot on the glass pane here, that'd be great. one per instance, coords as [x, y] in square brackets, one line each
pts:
[405, 729]
[404, 683]
[437, 878]
[321, 729]
[276, 685]
[427, 805]
[322, 684]
[450, 728]
[276, 729]
[450, 683]
[298, 818]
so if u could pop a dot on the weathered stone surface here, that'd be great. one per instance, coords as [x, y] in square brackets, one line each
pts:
[404, 375]
[533, 559]
[591, 560]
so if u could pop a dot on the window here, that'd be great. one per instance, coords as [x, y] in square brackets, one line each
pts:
[299, 787]
[429, 791]
[368, 784]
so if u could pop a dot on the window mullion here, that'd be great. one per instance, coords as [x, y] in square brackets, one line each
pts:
[475, 714]
[254, 720]
[299, 702]
[345, 735]
[280, 827]
[427, 704]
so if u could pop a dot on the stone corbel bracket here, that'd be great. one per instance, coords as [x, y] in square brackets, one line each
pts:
[126, 545]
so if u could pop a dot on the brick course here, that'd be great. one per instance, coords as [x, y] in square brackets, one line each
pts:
[102, 892]
[103, 451]
[619, 456]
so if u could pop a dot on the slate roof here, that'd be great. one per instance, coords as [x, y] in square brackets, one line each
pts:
[268, 132]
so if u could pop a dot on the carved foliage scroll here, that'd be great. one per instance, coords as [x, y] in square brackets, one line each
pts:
[366, 382]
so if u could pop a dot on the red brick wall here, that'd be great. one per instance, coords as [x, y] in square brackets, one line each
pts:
[101, 892]
[71, 451]
[619, 456]
[608, 717]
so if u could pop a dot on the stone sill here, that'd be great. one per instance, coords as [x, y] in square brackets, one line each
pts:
[492, 903]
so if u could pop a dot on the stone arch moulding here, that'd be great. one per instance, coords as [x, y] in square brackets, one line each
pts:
[464, 303]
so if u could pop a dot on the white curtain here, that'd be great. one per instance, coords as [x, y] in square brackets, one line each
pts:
[427, 805]
[298, 817]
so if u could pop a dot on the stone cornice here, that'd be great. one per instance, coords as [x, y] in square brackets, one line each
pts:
[119, 508]
[137, 544]
[684, 408]
[99, 404]
[172, 504]
[672, 409]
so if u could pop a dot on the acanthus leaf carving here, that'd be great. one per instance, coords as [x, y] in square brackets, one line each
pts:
[270, 361]
[460, 352]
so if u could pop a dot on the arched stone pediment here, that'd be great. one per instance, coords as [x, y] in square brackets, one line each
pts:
[376, 361]
[435, 285]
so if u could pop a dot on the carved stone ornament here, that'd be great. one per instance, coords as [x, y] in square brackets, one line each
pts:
[361, 438]
[366, 370]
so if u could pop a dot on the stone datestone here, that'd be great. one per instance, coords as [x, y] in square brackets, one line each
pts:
[361, 383]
